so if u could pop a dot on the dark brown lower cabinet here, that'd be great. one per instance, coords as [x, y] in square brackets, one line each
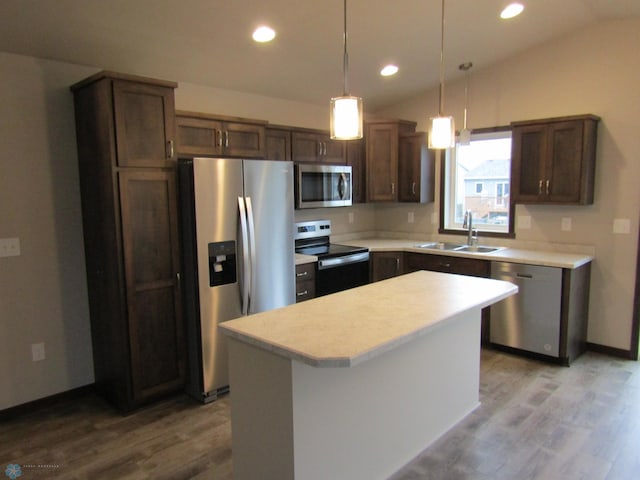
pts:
[386, 265]
[305, 282]
[450, 264]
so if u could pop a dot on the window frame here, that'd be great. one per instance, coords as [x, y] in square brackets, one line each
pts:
[510, 233]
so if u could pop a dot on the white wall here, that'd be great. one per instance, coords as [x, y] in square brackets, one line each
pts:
[595, 70]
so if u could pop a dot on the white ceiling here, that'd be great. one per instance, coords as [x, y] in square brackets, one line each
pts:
[208, 42]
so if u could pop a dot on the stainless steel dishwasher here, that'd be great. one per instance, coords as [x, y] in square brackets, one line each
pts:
[529, 320]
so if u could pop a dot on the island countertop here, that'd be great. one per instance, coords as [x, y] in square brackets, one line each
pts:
[352, 326]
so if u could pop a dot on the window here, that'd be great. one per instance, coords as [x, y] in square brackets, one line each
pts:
[477, 178]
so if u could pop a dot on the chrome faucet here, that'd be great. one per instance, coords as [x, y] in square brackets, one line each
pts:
[472, 234]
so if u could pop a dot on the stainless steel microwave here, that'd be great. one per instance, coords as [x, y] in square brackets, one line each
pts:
[319, 186]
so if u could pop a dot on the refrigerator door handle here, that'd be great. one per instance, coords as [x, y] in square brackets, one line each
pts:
[252, 247]
[246, 270]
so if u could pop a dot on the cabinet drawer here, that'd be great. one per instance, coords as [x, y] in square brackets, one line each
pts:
[305, 281]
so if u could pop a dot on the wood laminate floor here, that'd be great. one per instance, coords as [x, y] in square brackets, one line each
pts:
[536, 421]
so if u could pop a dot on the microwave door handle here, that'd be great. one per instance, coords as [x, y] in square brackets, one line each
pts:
[342, 185]
[246, 269]
[252, 253]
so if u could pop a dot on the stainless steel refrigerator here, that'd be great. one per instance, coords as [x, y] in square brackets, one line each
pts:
[238, 254]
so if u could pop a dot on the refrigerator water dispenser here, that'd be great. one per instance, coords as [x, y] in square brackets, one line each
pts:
[222, 263]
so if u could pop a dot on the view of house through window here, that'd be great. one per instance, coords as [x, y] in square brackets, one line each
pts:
[477, 178]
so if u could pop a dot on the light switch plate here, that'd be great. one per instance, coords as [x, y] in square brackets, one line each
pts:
[565, 225]
[350, 217]
[37, 352]
[410, 217]
[9, 247]
[621, 225]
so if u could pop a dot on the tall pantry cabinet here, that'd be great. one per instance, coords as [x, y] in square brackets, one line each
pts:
[125, 134]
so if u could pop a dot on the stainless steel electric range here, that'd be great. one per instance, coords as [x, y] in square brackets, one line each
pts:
[339, 267]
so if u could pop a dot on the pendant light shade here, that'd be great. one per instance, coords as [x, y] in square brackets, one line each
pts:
[346, 117]
[442, 131]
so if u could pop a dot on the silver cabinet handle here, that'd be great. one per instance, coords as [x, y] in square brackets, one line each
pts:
[219, 138]
[301, 274]
[397, 264]
[413, 188]
[540, 187]
[302, 294]
[226, 139]
[548, 182]
[325, 148]
[179, 280]
[393, 188]
[319, 148]
[170, 149]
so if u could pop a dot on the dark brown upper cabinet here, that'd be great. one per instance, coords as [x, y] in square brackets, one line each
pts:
[553, 160]
[382, 139]
[416, 169]
[316, 146]
[212, 135]
[278, 143]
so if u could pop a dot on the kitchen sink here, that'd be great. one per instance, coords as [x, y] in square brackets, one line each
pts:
[458, 247]
[478, 249]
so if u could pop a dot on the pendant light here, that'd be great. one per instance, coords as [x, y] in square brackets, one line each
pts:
[465, 133]
[346, 116]
[442, 132]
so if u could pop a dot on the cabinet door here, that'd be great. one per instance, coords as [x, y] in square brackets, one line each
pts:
[416, 169]
[382, 162]
[528, 163]
[354, 156]
[333, 151]
[151, 260]
[278, 144]
[243, 140]
[386, 265]
[564, 169]
[199, 136]
[144, 124]
[305, 147]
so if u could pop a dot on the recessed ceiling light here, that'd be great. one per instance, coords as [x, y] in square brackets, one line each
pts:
[264, 34]
[512, 10]
[389, 70]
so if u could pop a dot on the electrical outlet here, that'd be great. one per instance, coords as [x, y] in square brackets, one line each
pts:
[37, 352]
[350, 216]
[9, 247]
[524, 222]
[621, 225]
[410, 217]
[565, 225]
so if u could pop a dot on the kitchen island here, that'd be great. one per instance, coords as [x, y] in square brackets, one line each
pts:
[355, 384]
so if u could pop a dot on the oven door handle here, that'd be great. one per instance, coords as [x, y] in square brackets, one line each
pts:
[344, 260]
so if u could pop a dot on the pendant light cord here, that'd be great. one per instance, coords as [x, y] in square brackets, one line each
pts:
[441, 62]
[345, 66]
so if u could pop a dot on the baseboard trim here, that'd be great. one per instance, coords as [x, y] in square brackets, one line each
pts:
[611, 351]
[30, 407]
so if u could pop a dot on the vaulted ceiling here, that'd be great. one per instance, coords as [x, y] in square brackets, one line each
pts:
[208, 42]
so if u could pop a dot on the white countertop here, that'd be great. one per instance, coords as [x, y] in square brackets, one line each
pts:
[513, 255]
[349, 327]
[303, 259]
